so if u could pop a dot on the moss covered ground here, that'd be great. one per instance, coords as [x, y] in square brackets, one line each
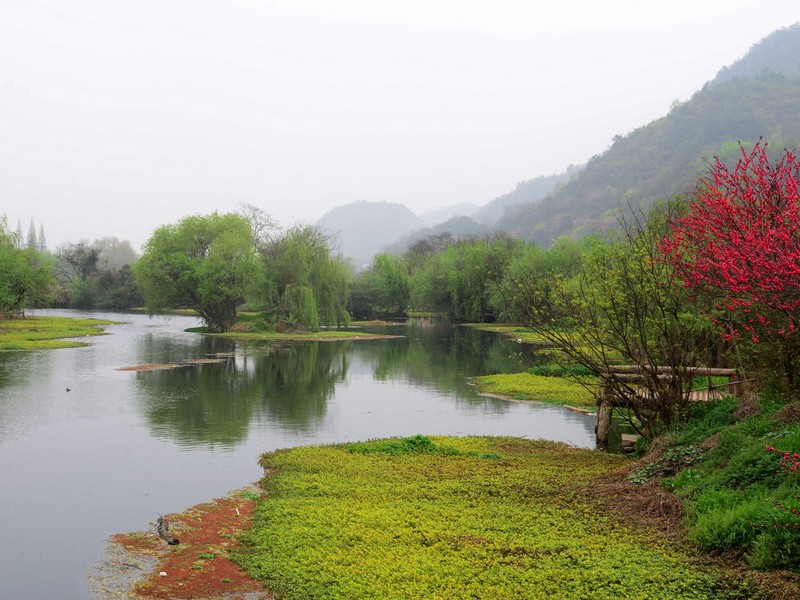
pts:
[458, 518]
[43, 333]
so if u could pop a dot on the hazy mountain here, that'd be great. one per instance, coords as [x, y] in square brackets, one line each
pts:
[756, 97]
[777, 52]
[440, 215]
[477, 222]
[458, 227]
[363, 228]
[665, 157]
[526, 191]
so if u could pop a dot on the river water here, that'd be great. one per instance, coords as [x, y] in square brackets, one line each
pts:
[121, 447]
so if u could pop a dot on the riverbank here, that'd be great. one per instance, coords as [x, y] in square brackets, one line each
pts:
[327, 335]
[142, 565]
[248, 327]
[47, 333]
[461, 517]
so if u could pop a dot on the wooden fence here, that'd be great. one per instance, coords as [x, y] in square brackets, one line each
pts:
[633, 374]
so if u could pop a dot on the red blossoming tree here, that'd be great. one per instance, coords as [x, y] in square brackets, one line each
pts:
[739, 246]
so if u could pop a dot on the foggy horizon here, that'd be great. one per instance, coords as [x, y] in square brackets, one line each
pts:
[120, 118]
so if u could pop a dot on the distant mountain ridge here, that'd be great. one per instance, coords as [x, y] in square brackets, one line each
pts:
[777, 52]
[440, 215]
[755, 97]
[527, 191]
[363, 229]
[665, 158]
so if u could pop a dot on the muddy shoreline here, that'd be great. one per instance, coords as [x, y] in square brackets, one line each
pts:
[141, 564]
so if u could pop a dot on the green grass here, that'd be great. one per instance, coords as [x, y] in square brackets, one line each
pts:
[730, 492]
[526, 386]
[454, 518]
[44, 333]
[256, 326]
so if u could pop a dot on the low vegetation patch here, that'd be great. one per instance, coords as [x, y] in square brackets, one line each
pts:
[521, 334]
[743, 495]
[42, 333]
[542, 388]
[456, 518]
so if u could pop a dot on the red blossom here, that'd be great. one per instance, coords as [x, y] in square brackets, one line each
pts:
[740, 242]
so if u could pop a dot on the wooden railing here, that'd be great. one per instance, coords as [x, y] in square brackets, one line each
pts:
[633, 374]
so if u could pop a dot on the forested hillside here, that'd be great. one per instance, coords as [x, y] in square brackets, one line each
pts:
[776, 52]
[665, 157]
[526, 191]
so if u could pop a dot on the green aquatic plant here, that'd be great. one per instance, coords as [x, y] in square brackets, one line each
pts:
[42, 333]
[418, 523]
[526, 386]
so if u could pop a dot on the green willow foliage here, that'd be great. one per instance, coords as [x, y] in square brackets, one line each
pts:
[305, 284]
[384, 288]
[214, 263]
[460, 280]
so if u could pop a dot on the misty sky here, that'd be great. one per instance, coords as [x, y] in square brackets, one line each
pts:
[117, 117]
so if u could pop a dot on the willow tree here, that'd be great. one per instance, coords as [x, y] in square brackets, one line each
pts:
[203, 262]
[306, 284]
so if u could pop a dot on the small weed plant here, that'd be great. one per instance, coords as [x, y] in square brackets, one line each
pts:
[669, 463]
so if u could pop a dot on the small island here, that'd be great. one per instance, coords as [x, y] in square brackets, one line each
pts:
[47, 333]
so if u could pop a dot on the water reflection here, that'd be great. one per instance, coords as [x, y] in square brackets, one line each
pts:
[153, 347]
[290, 384]
[214, 404]
[122, 447]
[439, 355]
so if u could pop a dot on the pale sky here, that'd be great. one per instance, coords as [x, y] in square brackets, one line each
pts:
[118, 117]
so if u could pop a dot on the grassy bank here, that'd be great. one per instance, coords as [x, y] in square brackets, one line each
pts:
[457, 518]
[518, 333]
[254, 326]
[527, 386]
[734, 464]
[44, 333]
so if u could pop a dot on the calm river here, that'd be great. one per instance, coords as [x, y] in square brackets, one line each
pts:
[120, 447]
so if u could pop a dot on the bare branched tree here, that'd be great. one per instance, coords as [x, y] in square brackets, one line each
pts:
[625, 305]
[264, 226]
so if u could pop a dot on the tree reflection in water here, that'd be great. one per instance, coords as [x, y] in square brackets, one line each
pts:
[214, 404]
[290, 384]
